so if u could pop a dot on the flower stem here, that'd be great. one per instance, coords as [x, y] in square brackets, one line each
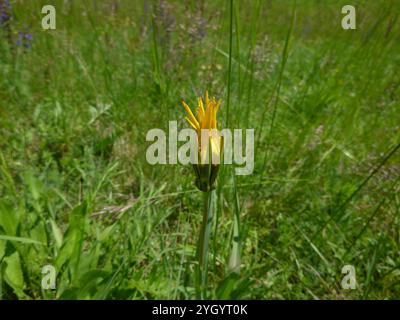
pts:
[203, 244]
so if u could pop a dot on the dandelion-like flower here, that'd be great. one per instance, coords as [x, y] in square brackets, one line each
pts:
[208, 139]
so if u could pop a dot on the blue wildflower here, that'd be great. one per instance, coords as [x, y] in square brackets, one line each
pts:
[24, 39]
[5, 12]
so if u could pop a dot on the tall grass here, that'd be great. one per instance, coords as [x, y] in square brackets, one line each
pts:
[77, 193]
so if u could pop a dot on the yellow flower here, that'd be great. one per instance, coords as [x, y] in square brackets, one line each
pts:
[206, 124]
[207, 121]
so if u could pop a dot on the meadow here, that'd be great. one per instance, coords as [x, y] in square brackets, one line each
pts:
[77, 193]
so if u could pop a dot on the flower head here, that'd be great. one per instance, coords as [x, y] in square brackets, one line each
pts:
[208, 140]
[24, 39]
[206, 124]
[5, 12]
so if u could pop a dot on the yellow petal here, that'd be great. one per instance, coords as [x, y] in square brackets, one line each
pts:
[201, 107]
[207, 118]
[192, 118]
[214, 145]
[214, 120]
[200, 110]
[191, 123]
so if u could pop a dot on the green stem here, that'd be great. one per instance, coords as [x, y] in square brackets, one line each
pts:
[228, 99]
[234, 259]
[204, 239]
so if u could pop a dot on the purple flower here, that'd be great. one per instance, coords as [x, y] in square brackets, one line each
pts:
[5, 12]
[24, 39]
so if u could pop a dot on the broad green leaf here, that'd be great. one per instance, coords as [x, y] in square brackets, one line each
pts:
[13, 273]
[33, 185]
[71, 248]
[20, 239]
[39, 232]
[9, 219]
[58, 236]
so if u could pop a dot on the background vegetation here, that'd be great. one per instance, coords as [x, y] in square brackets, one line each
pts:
[76, 191]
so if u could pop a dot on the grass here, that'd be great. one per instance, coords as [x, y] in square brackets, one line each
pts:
[77, 193]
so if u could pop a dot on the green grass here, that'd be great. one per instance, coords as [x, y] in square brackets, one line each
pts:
[77, 193]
